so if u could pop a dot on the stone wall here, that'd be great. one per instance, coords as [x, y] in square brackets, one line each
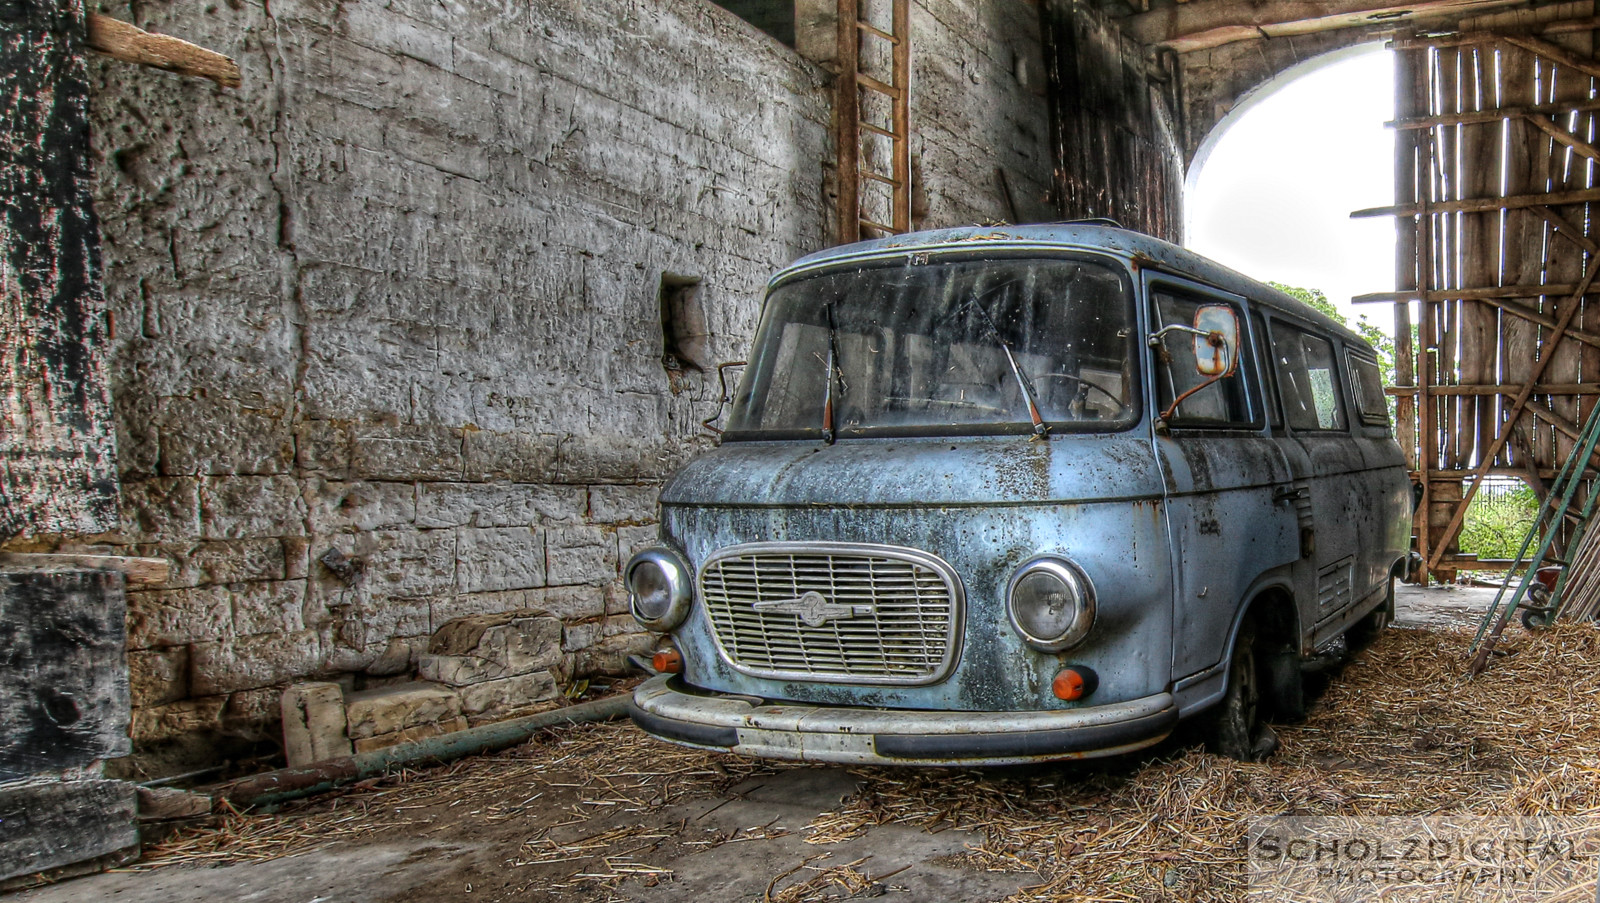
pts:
[399, 296]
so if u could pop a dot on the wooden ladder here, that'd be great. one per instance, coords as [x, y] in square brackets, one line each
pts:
[1560, 505]
[854, 32]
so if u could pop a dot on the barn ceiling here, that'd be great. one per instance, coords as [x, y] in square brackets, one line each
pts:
[1188, 25]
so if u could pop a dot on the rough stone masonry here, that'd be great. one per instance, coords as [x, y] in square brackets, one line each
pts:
[400, 296]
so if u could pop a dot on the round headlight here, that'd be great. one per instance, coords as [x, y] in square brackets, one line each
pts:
[658, 588]
[1051, 604]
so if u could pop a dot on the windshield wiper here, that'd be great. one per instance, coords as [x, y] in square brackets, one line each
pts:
[827, 392]
[1039, 428]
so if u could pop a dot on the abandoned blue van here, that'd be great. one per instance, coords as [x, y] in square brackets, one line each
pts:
[1002, 495]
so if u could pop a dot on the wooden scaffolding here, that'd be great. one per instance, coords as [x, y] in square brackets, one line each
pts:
[1497, 332]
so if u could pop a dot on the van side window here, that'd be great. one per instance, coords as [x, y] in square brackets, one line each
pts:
[1225, 402]
[1307, 379]
[1270, 388]
[1368, 385]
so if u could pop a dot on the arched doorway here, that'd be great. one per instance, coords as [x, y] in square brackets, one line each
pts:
[1272, 186]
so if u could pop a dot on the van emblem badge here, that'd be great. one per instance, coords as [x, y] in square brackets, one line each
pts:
[813, 609]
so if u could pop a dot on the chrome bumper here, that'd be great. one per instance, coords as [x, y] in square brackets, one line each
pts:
[743, 725]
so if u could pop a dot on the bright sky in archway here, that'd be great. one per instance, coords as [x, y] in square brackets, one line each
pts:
[1273, 199]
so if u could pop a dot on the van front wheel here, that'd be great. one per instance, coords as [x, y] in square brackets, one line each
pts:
[1238, 727]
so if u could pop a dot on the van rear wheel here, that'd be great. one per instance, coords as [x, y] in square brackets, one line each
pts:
[1238, 727]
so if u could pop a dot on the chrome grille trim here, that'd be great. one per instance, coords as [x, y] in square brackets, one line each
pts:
[911, 637]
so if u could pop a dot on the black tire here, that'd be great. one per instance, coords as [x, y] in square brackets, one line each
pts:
[1285, 685]
[1237, 727]
[1535, 620]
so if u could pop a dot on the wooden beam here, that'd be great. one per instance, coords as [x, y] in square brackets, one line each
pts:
[1563, 136]
[1495, 115]
[132, 44]
[1499, 298]
[847, 122]
[1547, 389]
[136, 570]
[1201, 26]
[1485, 293]
[1486, 458]
[1481, 205]
[1564, 228]
[1553, 52]
[1561, 26]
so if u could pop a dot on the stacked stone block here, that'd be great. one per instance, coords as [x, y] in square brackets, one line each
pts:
[399, 296]
[478, 669]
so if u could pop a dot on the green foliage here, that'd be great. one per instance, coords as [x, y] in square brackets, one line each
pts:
[1380, 341]
[1496, 522]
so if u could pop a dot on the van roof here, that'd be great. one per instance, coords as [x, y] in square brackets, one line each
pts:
[1122, 243]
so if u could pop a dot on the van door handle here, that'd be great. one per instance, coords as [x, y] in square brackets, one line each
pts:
[1284, 495]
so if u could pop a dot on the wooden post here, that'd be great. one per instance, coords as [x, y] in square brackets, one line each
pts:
[847, 123]
[58, 469]
[1407, 99]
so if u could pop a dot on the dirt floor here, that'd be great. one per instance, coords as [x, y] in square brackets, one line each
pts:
[603, 813]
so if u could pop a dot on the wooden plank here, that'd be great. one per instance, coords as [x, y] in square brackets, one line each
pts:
[1500, 389]
[132, 44]
[1479, 293]
[58, 469]
[1565, 259]
[64, 700]
[134, 570]
[48, 825]
[1554, 53]
[1532, 315]
[1199, 26]
[1569, 311]
[1479, 326]
[1563, 136]
[1407, 145]
[902, 116]
[1495, 114]
[1516, 202]
[1427, 427]
[1565, 228]
[1446, 249]
[1527, 156]
[847, 122]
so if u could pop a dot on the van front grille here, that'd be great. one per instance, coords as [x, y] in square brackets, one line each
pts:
[833, 612]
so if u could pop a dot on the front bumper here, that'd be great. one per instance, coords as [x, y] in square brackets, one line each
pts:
[753, 727]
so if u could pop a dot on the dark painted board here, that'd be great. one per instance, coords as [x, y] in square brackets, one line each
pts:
[63, 670]
[51, 824]
[57, 457]
[1113, 125]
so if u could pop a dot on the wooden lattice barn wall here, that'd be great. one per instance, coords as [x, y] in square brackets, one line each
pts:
[1498, 338]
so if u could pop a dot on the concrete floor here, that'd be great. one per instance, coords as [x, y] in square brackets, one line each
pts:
[406, 867]
[923, 864]
[1441, 606]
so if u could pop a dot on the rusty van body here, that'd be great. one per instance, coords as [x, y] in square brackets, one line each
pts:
[993, 496]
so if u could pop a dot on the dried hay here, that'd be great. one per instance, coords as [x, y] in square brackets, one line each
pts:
[1400, 732]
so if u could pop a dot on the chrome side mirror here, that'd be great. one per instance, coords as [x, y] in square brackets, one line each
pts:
[1216, 340]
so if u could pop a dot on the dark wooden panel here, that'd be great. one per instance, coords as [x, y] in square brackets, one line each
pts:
[51, 824]
[63, 670]
[57, 458]
[1113, 130]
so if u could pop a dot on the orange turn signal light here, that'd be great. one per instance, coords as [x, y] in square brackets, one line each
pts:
[1074, 683]
[667, 661]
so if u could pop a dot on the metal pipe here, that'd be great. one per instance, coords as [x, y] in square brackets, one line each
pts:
[285, 784]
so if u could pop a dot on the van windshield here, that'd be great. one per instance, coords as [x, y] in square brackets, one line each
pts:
[927, 348]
